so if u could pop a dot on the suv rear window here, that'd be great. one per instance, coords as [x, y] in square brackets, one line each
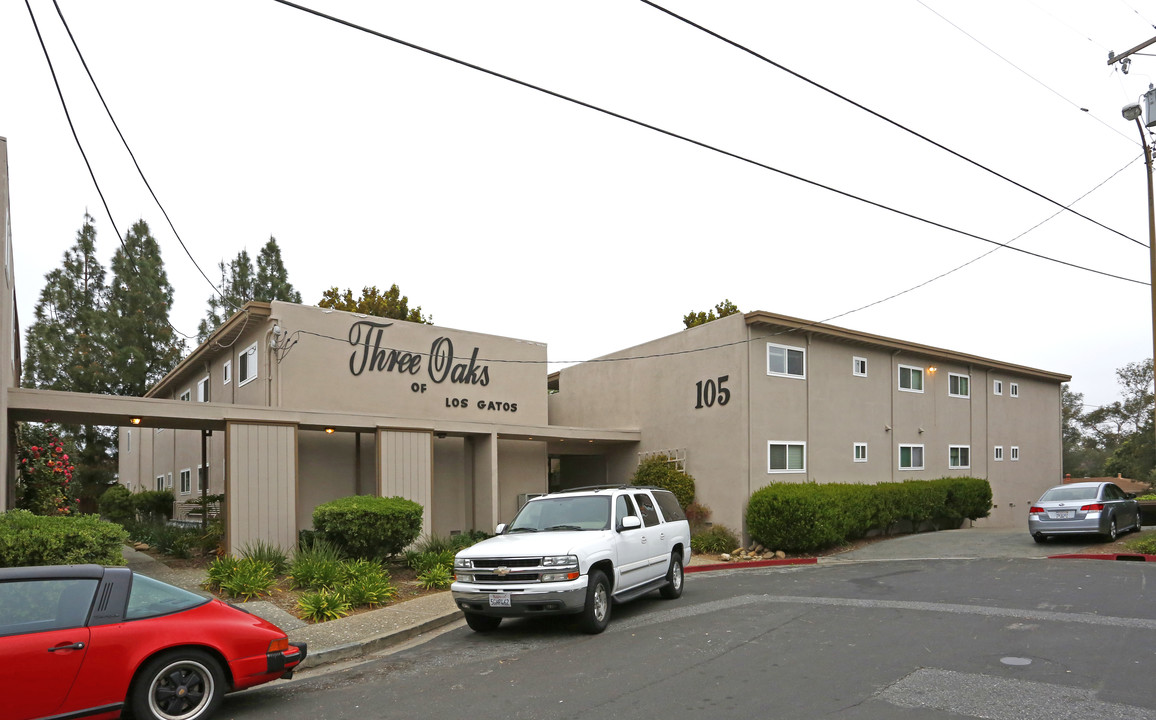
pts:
[670, 507]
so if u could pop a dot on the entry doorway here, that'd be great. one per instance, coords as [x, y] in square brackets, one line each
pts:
[572, 471]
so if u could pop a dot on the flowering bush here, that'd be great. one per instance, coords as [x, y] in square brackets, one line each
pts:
[44, 479]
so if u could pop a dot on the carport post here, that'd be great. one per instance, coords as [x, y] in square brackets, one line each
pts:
[203, 479]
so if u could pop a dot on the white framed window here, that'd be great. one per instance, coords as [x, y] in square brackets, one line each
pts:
[860, 452]
[958, 457]
[203, 389]
[160, 482]
[958, 385]
[227, 372]
[859, 366]
[247, 365]
[997, 453]
[910, 457]
[997, 387]
[186, 481]
[1013, 390]
[786, 457]
[187, 395]
[201, 477]
[1014, 452]
[786, 361]
[910, 378]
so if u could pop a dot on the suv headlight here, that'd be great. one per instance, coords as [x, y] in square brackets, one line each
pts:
[560, 561]
[463, 563]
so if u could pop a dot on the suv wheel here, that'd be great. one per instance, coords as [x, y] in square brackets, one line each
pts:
[673, 587]
[482, 623]
[596, 614]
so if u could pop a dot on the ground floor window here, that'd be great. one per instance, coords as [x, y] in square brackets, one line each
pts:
[786, 457]
[910, 457]
[186, 481]
[160, 482]
[958, 456]
[860, 452]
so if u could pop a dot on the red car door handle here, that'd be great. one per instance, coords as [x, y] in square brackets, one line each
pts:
[73, 646]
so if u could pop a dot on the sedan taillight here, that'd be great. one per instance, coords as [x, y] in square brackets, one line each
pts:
[1036, 510]
[1092, 508]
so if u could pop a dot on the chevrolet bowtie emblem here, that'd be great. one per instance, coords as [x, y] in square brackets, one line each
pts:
[502, 571]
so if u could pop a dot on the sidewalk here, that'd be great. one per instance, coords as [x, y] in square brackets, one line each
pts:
[336, 640]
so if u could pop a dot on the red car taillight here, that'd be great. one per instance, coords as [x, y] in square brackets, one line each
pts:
[1036, 510]
[1092, 508]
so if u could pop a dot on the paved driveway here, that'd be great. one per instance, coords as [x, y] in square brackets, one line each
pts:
[969, 543]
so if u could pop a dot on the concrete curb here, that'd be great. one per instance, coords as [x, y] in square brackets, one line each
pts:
[377, 643]
[748, 564]
[1134, 557]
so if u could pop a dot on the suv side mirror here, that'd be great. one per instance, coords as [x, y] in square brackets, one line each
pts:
[630, 522]
[500, 529]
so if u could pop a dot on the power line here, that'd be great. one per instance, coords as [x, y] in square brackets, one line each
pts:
[698, 143]
[133, 156]
[881, 116]
[83, 154]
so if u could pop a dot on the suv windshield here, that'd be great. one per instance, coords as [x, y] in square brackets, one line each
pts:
[563, 513]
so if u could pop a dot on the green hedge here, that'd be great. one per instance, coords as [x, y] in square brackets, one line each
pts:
[27, 539]
[364, 526]
[801, 517]
[658, 471]
[156, 504]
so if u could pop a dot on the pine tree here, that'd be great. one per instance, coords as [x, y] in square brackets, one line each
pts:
[67, 348]
[140, 300]
[272, 277]
[236, 289]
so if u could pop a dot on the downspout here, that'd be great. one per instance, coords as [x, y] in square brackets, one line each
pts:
[270, 348]
[893, 443]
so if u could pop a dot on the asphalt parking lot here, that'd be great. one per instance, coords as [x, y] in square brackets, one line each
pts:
[972, 543]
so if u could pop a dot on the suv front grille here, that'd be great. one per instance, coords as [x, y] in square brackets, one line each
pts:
[518, 578]
[508, 562]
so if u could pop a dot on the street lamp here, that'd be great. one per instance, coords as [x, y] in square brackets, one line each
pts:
[1133, 112]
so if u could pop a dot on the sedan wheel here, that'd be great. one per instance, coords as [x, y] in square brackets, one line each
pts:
[1113, 533]
[178, 685]
[1040, 538]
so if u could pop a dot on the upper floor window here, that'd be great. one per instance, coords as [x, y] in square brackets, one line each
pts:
[1014, 451]
[958, 456]
[186, 481]
[997, 453]
[227, 372]
[859, 366]
[1014, 390]
[910, 378]
[247, 365]
[785, 457]
[786, 360]
[997, 387]
[910, 457]
[958, 385]
[203, 390]
[187, 395]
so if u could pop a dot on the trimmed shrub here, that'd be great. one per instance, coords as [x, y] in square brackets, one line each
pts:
[155, 504]
[802, 517]
[27, 539]
[369, 527]
[717, 539]
[660, 472]
[116, 505]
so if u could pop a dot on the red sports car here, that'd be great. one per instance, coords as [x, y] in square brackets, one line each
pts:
[85, 641]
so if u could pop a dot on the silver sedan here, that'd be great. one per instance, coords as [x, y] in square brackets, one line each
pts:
[1084, 508]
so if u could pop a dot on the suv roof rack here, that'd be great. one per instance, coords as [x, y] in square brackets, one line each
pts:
[621, 486]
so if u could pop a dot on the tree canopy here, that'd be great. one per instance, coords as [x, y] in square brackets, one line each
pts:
[240, 283]
[1115, 438]
[390, 304]
[721, 310]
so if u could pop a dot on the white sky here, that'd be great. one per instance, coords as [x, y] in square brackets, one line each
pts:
[502, 210]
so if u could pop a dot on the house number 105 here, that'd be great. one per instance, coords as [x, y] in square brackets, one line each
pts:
[709, 392]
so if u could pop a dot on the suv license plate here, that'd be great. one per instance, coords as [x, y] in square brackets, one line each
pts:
[499, 599]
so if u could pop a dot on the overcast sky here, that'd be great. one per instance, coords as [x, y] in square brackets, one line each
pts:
[503, 210]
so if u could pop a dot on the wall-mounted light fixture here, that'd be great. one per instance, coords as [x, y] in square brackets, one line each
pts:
[329, 431]
[932, 369]
[134, 421]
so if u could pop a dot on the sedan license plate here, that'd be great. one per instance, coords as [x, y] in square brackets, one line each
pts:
[499, 599]
[1063, 514]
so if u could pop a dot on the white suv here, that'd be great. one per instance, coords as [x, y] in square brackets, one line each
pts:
[575, 552]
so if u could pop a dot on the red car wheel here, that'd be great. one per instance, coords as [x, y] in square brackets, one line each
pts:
[178, 685]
